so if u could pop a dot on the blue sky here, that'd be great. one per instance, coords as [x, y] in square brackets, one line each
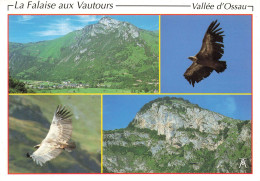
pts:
[119, 110]
[32, 28]
[181, 37]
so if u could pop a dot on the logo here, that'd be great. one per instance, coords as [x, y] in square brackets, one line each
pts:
[242, 162]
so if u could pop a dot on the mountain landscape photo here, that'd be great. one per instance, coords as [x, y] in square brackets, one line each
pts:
[173, 135]
[110, 56]
[29, 122]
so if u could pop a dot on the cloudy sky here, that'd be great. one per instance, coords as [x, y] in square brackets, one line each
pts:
[25, 28]
[120, 110]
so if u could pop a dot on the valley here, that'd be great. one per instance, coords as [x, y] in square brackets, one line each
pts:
[111, 54]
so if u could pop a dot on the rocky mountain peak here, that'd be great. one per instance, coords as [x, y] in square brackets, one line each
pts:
[108, 21]
[172, 135]
[107, 25]
[170, 115]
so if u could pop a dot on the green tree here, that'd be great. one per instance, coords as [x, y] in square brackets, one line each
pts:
[16, 86]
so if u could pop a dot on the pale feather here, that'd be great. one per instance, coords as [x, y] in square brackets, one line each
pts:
[58, 136]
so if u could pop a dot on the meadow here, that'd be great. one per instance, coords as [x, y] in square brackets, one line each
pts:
[82, 90]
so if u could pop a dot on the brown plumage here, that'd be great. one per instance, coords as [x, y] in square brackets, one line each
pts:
[57, 139]
[207, 59]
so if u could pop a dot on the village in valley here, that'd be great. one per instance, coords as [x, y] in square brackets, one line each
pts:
[52, 85]
[70, 86]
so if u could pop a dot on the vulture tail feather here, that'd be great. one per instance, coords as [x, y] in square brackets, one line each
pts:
[71, 146]
[221, 66]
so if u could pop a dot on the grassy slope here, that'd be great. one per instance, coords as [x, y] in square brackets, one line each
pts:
[108, 61]
[83, 90]
[45, 49]
[27, 132]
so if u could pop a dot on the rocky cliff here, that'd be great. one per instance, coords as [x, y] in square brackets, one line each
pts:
[172, 135]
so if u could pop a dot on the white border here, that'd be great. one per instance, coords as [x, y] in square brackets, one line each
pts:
[139, 10]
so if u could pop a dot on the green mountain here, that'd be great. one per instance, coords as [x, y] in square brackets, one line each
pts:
[171, 135]
[29, 122]
[110, 54]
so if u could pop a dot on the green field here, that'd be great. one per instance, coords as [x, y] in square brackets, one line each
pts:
[115, 59]
[82, 90]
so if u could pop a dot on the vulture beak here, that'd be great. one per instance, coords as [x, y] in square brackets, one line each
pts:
[28, 155]
[192, 58]
[37, 146]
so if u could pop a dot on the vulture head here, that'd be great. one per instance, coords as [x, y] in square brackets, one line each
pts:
[28, 155]
[193, 58]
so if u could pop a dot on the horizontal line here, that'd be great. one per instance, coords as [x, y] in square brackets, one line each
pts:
[144, 5]
[9, 6]
[173, 173]
[206, 93]
[11, 94]
[141, 14]
[42, 94]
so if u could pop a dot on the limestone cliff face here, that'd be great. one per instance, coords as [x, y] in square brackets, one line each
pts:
[166, 119]
[173, 135]
[171, 118]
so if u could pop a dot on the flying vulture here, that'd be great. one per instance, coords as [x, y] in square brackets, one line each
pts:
[207, 59]
[57, 139]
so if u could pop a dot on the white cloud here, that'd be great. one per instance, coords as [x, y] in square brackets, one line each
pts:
[24, 18]
[59, 28]
[88, 18]
[67, 25]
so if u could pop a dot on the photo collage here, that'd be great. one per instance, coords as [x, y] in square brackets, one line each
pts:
[133, 94]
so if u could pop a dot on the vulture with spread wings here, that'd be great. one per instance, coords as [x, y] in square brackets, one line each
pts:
[57, 139]
[207, 59]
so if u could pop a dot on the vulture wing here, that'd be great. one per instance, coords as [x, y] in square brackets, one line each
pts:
[59, 134]
[61, 126]
[46, 152]
[196, 73]
[212, 45]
